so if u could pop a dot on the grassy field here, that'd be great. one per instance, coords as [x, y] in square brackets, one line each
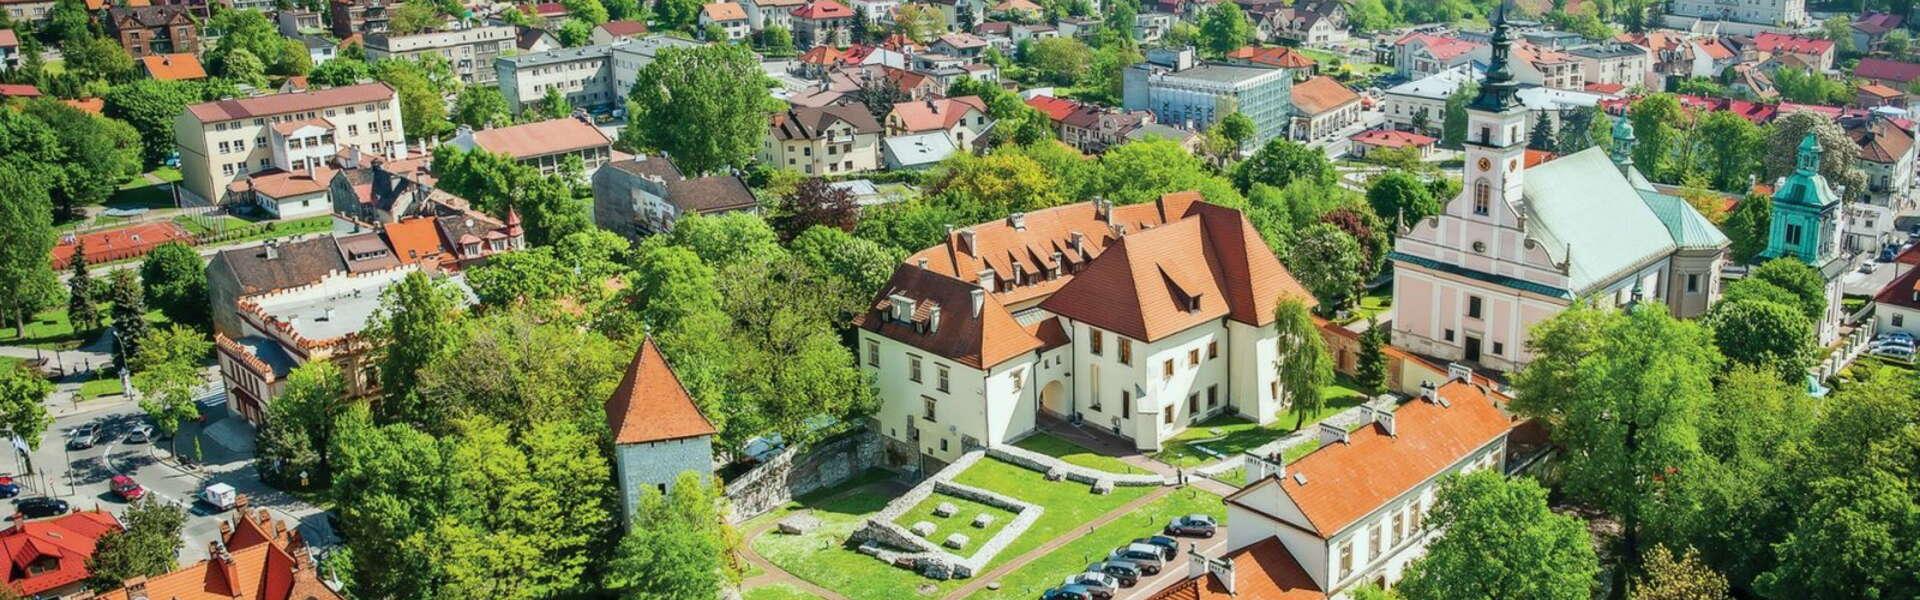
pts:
[209, 225]
[1030, 580]
[821, 556]
[1371, 305]
[775, 592]
[50, 330]
[104, 386]
[1075, 454]
[1230, 435]
[961, 522]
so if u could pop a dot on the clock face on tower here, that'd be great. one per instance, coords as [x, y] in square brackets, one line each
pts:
[1485, 164]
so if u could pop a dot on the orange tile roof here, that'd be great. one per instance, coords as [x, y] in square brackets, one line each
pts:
[285, 184]
[173, 67]
[1879, 91]
[1320, 94]
[936, 114]
[1273, 56]
[552, 136]
[1263, 570]
[822, 9]
[979, 341]
[8, 39]
[822, 55]
[92, 105]
[1345, 482]
[67, 540]
[723, 11]
[650, 405]
[415, 240]
[259, 559]
[1388, 138]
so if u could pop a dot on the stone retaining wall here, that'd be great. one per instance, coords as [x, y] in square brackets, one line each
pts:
[891, 542]
[791, 473]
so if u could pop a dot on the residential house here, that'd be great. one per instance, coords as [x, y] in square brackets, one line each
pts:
[221, 140]
[877, 12]
[27, 11]
[284, 195]
[1891, 73]
[1018, 10]
[728, 16]
[1137, 320]
[1612, 63]
[148, 30]
[1372, 139]
[1312, 23]
[1520, 244]
[960, 44]
[9, 49]
[962, 14]
[1539, 65]
[1673, 55]
[470, 51]
[1814, 53]
[1753, 81]
[637, 53]
[1896, 307]
[551, 15]
[647, 194]
[1323, 108]
[1772, 13]
[962, 120]
[363, 17]
[296, 21]
[543, 144]
[534, 39]
[1181, 91]
[1887, 152]
[181, 66]
[1150, 26]
[1421, 105]
[658, 431]
[256, 557]
[1090, 128]
[1873, 95]
[1870, 28]
[320, 48]
[1418, 55]
[47, 558]
[583, 75]
[828, 140]
[762, 14]
[1352, 511]
[618, 31]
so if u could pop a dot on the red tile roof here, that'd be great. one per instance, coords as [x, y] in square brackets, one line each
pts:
[60, 545]
[173, 67]
[1056, 109]
[18, 90]
[941, 319]
[1321, 94]
[263, 106]
[1774, 42]
[1442, 48]
[936, 114]
[92, 105]
[1273, 56]
[1345, 482]
[552, 136]
[8, 39]
[822, 55]
[1263, 570]
[415, 240]
[262, 559]
[624, 28]
[1886, 70]
[822, 9]
[1903, 291]
[723, 11]
[285, 184]
[650, 405]
[1388, 138]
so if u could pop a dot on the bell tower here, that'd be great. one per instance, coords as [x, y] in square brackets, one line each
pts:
[1496, 139]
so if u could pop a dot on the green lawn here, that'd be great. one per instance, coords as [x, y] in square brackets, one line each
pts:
[1054, 446]
[778, 591]
[961, 522]
[1371, 305]
[248, 231]
[50, 329]
[1030, 580]
[821, 556]
[104, 386]
[211, 225]
[1327, 60]
[1229, 435]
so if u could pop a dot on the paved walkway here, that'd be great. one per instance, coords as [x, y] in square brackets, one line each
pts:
[1105, 443]
[1010, 566]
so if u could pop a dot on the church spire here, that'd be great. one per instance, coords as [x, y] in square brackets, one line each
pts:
[1497, 93]
[1623, 142]
[1810, 151]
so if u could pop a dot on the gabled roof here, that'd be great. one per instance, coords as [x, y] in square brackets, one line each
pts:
[1774, 42]
[415, 240]
[1321, 94]
[936, 114]
[1687, 227]
[8, 39]
[1886, 70]
[67, 541]
[1272, 56]
[1877, 23]
[624, 28]
[1056, 109]
[1440, 47]
[542, 138]
[261, 559]
[1566, 196]
[976, 340]
[1340, 483]
[962, 40]
[721, 12]
[822, 9]
[1263, 570]
[802, 123]
[263, 106]
[1879, 138]
[1389, 138]
[651, 405]
[293, 264]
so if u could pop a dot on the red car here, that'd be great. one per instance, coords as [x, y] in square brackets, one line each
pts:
[127, 488]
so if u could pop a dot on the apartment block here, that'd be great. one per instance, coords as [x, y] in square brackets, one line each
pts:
[224, 140]
[584, 75]
[471, 51]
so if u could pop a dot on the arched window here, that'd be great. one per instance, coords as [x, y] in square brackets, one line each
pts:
[1482, 197]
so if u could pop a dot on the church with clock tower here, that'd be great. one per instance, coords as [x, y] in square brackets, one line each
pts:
[1520, 244]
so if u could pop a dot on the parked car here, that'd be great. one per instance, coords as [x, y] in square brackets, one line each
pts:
[1169, 547]
[141, 434]
[126, 488]
[8, 488]
[1125, 572]
[1068, 592]
[1894, 352]
[1900, 344]
[1869, 267]
[40, 506]
[1192, 525]
[83, 437]
[1148, 557]
[1888, 252]
[1100, 584]
[1896, 336]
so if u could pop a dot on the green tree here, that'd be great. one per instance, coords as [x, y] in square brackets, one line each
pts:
[1542, 138]
[1847, 544]
[575, 33]
[1804, 85]
[175, 281]
[1839, 30]
[719, 91]
[1731, 150]
[1369, 16]
[27, 281]
[1658, 121]
[97, 59]
[1329, 262]
[83, 293]
[296, 441]
[23, 409]
[147, 547]
[859, 265]
[778, 41]
[1453, 122]
[1057, 60]
[551, 206]
[1371, 370]
[676, 547]
[1623, 393]
[414, 16]
[1399, 198]
[423, 105]
[1104, 77]
[480, 107]
[167, 371]
[96, 154]
[1499, 539]
[1839, 155]
[240, 65]
[1282, 161]
[68, 20]
[418, 322]
[526, 383]
[1748, 227]
[1143, 170]
[1765, 335]
[344, 71]
[1685, 577]
[677, 14]
[555, 105]
[590, 11]
[1238, 128]
[150, 106]
[129, 314]
[1303, 366]
[672, 284]
[998, 184]
[1224, 28]
[1805, 288]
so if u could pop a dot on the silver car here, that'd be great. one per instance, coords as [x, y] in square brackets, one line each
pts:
[1101, 584]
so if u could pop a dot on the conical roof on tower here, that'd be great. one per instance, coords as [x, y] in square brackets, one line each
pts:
[651, 405]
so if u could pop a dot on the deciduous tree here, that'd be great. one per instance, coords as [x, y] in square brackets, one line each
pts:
[1766, 335]
[27, 280]
[296, 442]
[677, 546]
[1224, 28]
[175, 281]
[167, 371]
[146, 548]
[1400, 198]
[1498, 539]
[705, 106]
[1280, 162]
[1839, 155]
[1329, 262]
[417, 323]
[814, 202]
[23, 412]
[1303, 366]
[1684, 577]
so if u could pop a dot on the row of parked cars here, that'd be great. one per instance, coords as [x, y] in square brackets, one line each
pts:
[1896, 345]
[1126, 565]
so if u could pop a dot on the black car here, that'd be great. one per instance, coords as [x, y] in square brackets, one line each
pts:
[41, 506]
[1170, 545]
[1067, 592]
[1192, 525]
[1127, 572]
